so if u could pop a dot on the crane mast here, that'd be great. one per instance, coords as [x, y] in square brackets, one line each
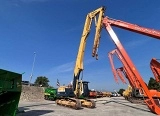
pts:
[87, 26]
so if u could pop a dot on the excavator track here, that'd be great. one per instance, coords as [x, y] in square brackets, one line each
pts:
[136, 100]
[88, 103]
[69, 102]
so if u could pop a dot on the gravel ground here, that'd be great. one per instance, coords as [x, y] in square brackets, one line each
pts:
[115, 106]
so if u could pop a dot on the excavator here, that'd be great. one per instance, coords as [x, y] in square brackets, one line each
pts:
[152, 103]
[127, 92]
[80, 87]
[106, 22]
[137, 95]
[155, 67]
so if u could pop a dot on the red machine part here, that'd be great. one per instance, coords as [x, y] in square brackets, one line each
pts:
[133, 27]
[155, 67]
[129, 75]
[137, 79]
[120, 74]
[149, 101]
[115, 71]
[113, 68]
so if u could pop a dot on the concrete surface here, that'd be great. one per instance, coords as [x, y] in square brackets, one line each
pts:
[115, 106]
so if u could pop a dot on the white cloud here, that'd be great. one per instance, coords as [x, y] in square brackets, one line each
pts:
[67, 67]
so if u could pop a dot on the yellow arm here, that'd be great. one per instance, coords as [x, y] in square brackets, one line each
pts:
[79, 61]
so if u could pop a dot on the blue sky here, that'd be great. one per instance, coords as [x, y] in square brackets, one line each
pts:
[53, 28]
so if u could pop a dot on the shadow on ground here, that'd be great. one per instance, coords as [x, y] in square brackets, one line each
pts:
[34, 112]
[37, 105]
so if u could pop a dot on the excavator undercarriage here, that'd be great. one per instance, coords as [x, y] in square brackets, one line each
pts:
[69, 102]
[66, 97]
[76, 103]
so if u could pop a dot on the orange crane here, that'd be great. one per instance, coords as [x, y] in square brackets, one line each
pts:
[155, 67]
[107, 23]
[137, 92]
[137, 89]
[116, 71]
[128, 74]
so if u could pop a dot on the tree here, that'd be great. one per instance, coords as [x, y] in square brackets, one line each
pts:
[153, 84]
[42, 81]
[121, 91]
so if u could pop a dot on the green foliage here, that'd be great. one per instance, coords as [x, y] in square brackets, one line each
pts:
[152, 84]
[42, 81]
[121, 91]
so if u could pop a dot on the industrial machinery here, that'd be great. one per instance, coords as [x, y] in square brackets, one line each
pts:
[152, 103]
[137, 95]
[129, 75]
[117, 94]
[93, 93]
[10, 91]
[155, 67]
[50, 94]
[106, 94]
[64, 91]
[127, 93]
[80, 87]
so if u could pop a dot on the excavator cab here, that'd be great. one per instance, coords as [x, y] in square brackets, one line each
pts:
[84, 90]
[136, 93]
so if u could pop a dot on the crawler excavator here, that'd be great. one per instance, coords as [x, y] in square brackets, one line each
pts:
[80, 88]
[127, 92]
[152, 102]
[137, 95]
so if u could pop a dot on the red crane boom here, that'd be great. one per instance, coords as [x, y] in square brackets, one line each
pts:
[155, 67]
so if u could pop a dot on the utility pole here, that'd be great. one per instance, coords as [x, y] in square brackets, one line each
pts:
[32, 68]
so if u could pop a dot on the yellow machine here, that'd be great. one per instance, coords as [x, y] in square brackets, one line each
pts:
[80, 88]
[127, 93]
[107, 94]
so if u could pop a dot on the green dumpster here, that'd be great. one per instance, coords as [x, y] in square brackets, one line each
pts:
[10, 91]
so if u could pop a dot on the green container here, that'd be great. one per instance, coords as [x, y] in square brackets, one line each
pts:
[10, 91]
